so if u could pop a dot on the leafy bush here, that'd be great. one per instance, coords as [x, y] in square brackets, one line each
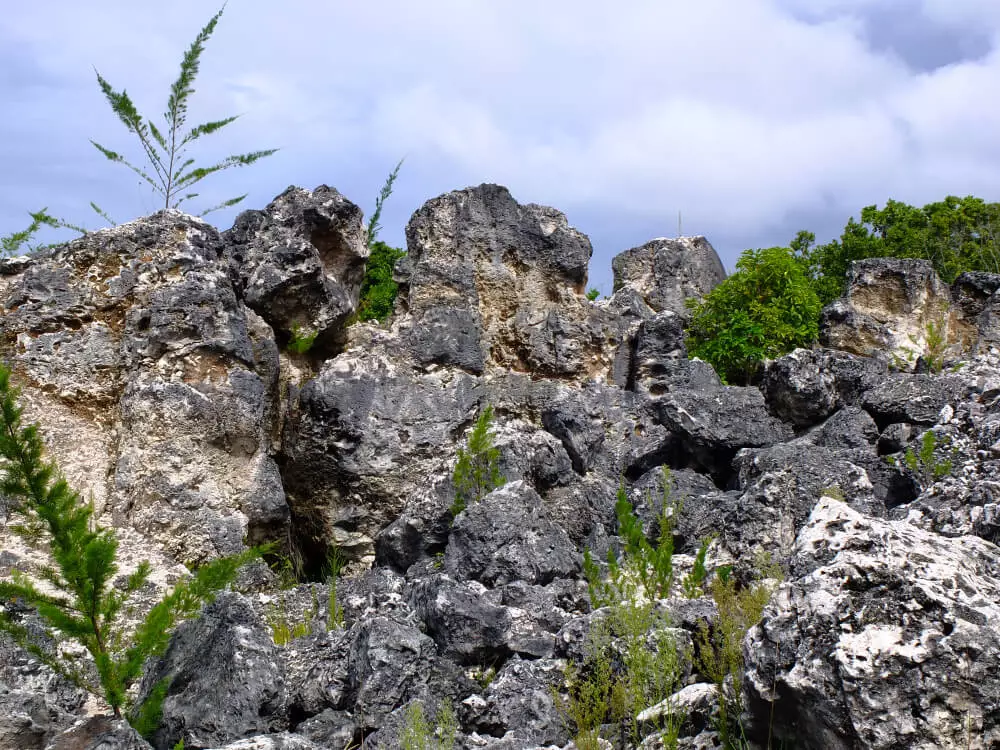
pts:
[477, 471]
[88, 602]
[765, 309]
[593, 294]
[378, 290]
[955, 235]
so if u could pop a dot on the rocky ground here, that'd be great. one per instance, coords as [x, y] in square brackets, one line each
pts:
[155, 357]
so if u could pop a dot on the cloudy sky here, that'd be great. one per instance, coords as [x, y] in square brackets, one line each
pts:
[752, 118]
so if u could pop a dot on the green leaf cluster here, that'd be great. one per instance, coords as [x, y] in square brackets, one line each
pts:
[955, 235]
[644, 565]
[302, 340]
[477, 471]
[924, 462]
[88, 606]
[378, 290]
[765, 309]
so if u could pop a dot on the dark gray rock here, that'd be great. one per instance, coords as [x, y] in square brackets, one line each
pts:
[227, 658]
[99, 733]
[362, 443]
[36, 704]
[526, 546]
[850, 427]
[807, 385]
[386, 663]
[448, 335]
[519, 701]
[299, 262]
[660, 359]
[895, 437]
[467, 628]
[710, 426]
[917, 399]
[666, 272]
[780, 487]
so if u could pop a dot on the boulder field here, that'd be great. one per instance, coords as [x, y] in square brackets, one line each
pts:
[155, 357]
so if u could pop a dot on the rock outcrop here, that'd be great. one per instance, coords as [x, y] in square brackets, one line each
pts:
[156, 357]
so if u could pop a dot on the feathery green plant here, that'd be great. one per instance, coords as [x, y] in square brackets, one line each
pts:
[477, 471]
[378, 290]
[11, 243]
[87, 606]
[165, 150]
[383, 195]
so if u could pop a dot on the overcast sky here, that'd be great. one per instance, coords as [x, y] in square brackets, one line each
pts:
[753, 118]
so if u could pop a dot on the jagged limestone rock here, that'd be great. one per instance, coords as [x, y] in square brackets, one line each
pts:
[880, 615]
[668, 272]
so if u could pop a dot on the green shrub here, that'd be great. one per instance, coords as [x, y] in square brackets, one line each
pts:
[765, 309]
[378, 290]
[302, 340]
[955, 235]
[418, 734]
[593, 294]
[88, 602]
[720, 647]
[924, 462]
[477, 471]
[632, 663]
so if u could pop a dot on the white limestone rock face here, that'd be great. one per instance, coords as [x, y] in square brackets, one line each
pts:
[888, 636]
[898, 306]
[153, 384]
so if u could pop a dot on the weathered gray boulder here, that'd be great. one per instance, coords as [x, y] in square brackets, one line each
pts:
[365, 440]
[708, 427]
[527, 546]
[807, 385]
[893, 305]
[667, 272]
[98, 733]
[490, 283]
[974, 309]
[299, 262]
[917, 399]
[280, 741]
[36, 703]
[660, 362]
[778, 489]
[466, 626]
[519, 702]
[879, 615]
[227, 658]
[850, 427]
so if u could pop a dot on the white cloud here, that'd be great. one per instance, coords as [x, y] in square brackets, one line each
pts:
[741, 114]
